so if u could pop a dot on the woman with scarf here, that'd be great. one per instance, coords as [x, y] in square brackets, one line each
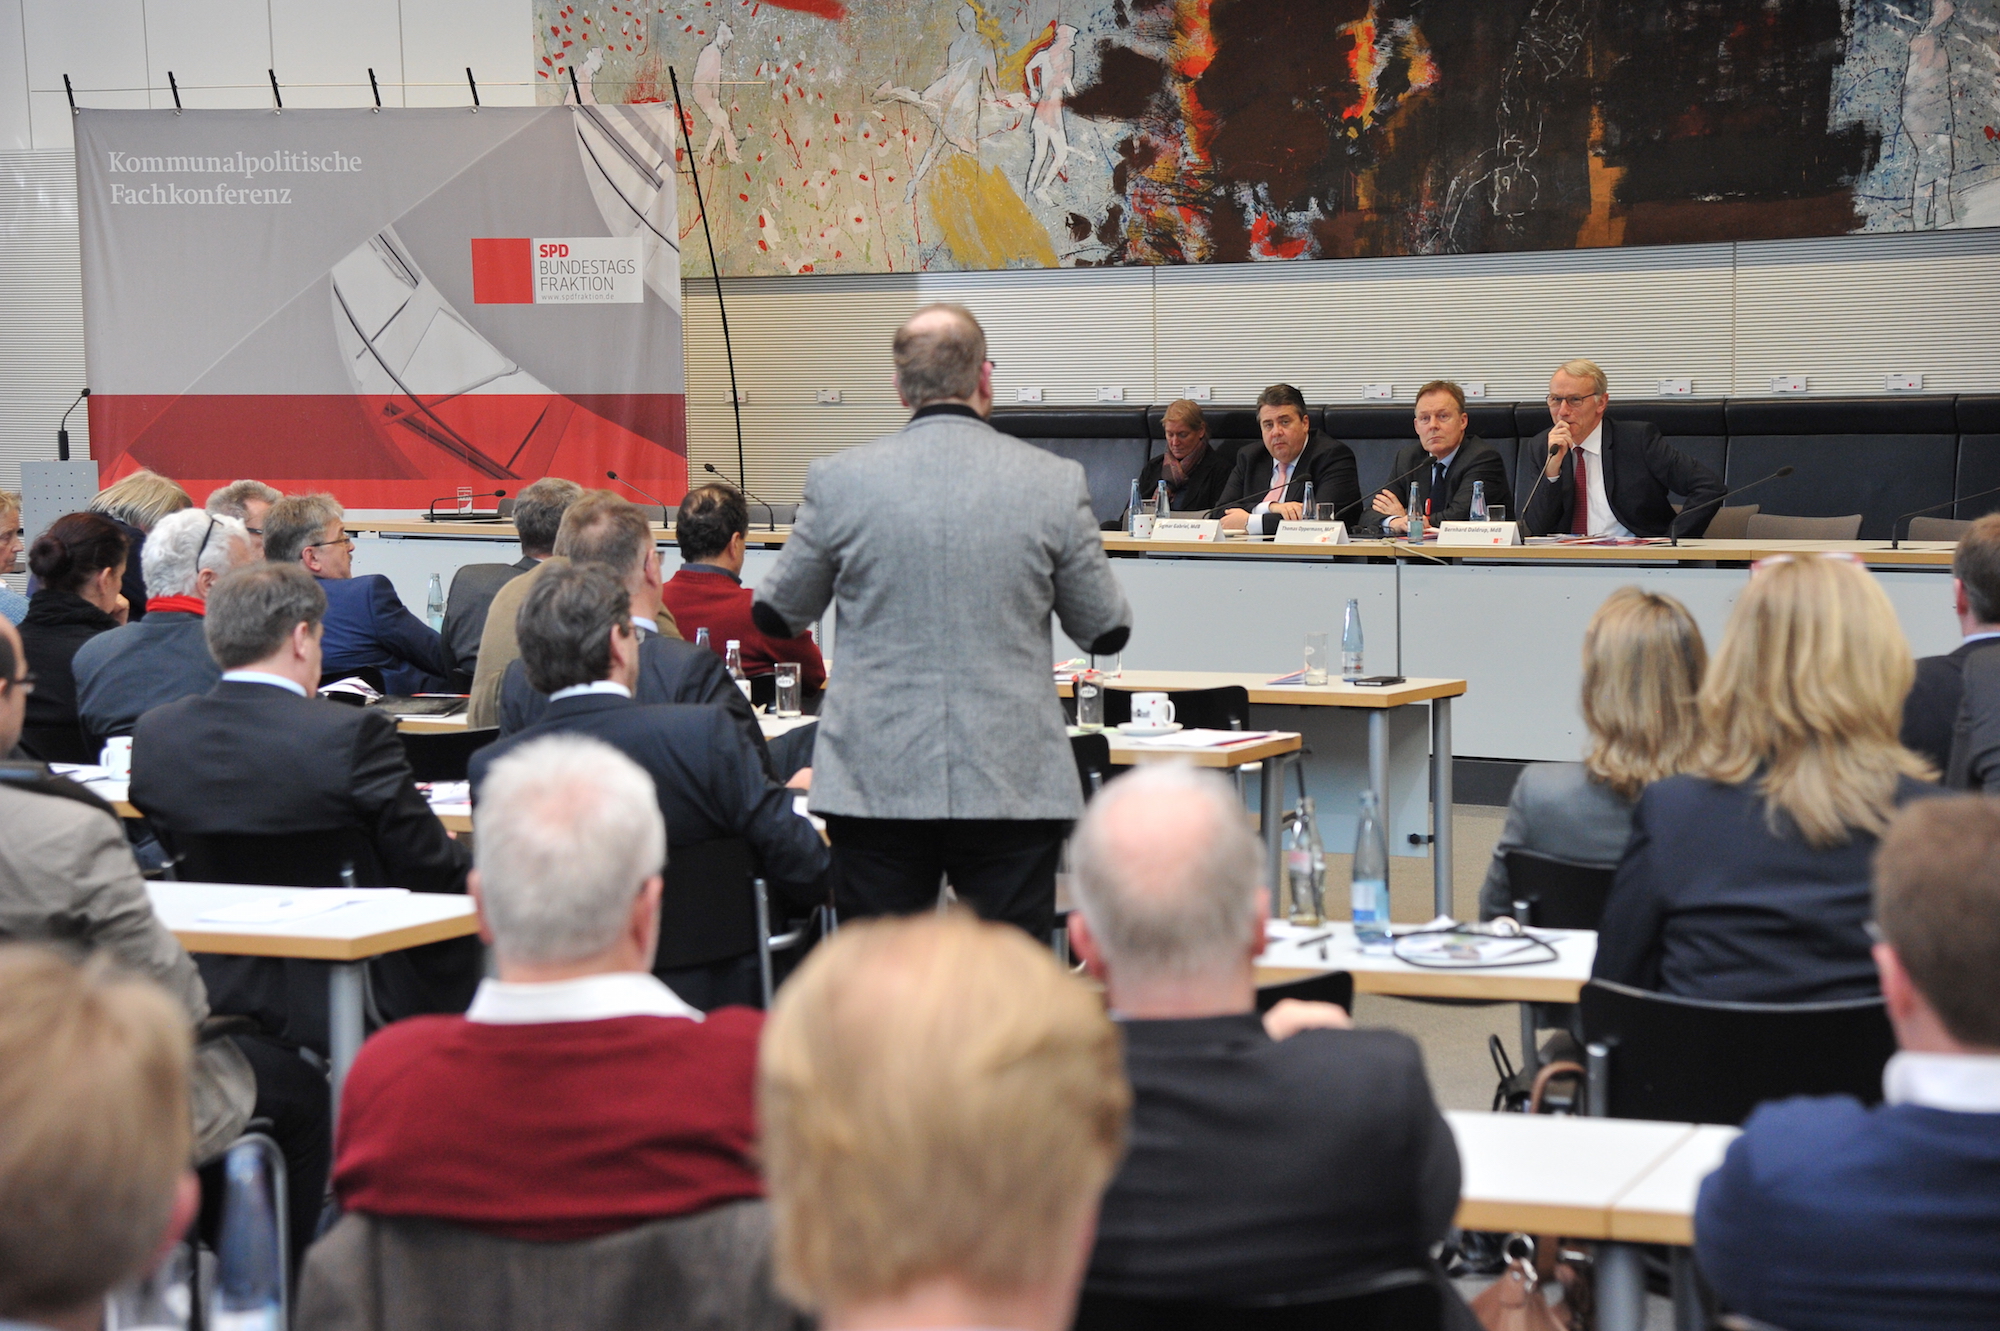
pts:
[1194, 472]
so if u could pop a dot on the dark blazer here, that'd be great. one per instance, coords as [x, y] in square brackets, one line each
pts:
[1257, 1167]
[1972, 759]
[1203, 488]
[131, 670]
[54, 630]
[1640, 469]
[1930, 713]
[1825, 1214]
[1325, 461]
[367, 625]
[671, 670]
[465, 607]
[257, 760]
[711, 786]
[1475, 460]
[1708, 903]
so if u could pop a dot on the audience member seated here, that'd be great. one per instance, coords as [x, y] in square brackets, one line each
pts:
[1826, 1216]
[1953, 713]
[1643, 659]
[538, 513]
[367, 625]
[708, 592]
[1270, 1160]
[79, 562]
[578, 647]
[136, 504]
[1624, 483]
[259, 756]
[1456, 461]
[577, 1095]
[67, 877]
[133, 669]
[94, 1181]
[1747, 877]
[940, 1107]
[13, 605]
[1269, 484]
[249, 502]
[1195, 472]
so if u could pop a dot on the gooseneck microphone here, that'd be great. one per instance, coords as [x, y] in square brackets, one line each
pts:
[62, 430]
[1674, 527]
[1896, 542]
[769, 512]
[431, 513]
[1541, 474]
[653, 499]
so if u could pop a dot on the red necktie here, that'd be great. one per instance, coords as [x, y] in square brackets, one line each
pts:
[1580, 524]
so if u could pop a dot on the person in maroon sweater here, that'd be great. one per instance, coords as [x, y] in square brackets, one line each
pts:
[577, 1096]
[708, 591]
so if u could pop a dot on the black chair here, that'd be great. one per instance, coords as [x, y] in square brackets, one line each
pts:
[1224, 708]
[1557, 894]
[715, 907]
[1407, 1300]
[444, 755]
[1093, 762]
[1688, 1060]
[1336, 987]
[57, 744]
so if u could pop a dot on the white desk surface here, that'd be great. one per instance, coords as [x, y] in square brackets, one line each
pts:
[1545, 1174]
[437, 725]
[1659, 1208]
[1557, 981]
[396, 921]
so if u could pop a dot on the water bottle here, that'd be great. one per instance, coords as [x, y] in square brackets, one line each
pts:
[247, 1274]
[732, 658]
[1305, 867]
[1306, 501]
[1350, 643]
[1132, 510]
[701, 640]
[434, 604]
[1479, 501]
[1162, 506]
[1370, 884]
[1416, 515]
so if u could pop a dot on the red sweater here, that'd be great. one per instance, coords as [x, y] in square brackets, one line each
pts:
[551, 1132]
[717, 602]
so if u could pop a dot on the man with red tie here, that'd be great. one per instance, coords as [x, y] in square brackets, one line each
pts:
[708, 591]
[1610, 478]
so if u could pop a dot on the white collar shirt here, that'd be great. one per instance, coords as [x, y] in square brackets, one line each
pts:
[586, 998]
[1961, 1083]
[651, 626]
[1603, 522]
[610, 686]
[1978, 637]
[265, 677]
[1281, 474]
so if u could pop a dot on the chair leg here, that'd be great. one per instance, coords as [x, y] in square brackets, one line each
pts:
[763, 895]
[1597, 1094]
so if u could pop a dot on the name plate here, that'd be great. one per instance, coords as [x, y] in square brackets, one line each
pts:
[1311, 533]
[1478, 533]
[1187, 529]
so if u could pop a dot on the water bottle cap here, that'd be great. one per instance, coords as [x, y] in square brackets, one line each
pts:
[735, 642]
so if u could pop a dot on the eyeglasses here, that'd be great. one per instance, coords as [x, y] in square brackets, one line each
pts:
[1558, 403]
[345, 538]
[1772, 561]
[254, 531]
[204, 543]
[26, 683]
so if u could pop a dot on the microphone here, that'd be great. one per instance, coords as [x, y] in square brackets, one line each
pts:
[769, 512]
[1541, 474]
[614, 476]
[1895, 541]
[1674, 527]
[430, 514]
[62, 430]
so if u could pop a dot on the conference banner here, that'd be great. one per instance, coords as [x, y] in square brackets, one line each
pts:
[387, 305]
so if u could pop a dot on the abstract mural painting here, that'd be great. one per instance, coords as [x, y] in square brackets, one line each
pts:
[892, 135]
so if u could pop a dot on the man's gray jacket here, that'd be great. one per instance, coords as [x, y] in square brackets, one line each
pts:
[944, 548]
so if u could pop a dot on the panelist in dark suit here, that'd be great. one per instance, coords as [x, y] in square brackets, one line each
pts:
[1269, 483]
[1747, 877]
[1627, 469]
[259, 756]
[579, 647]
[1457, 461]
[538, 514]
[1194, 471]
[1952, 716]
[367, 625]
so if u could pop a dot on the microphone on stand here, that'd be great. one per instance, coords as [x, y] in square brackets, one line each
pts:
[614, 476]
[1895, 541]
[431, 514]
[769, 512]
[1541, 474]
[62, 430]
[1674, 527]
[1228, 504]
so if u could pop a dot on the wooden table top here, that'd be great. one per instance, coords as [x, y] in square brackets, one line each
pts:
[1933, 554]
[1331, 694]
[1286, 958]
[396, 921]
[1545, 1174]
[1124, 753]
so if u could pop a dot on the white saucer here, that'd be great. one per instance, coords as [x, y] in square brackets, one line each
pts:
[1135, 728]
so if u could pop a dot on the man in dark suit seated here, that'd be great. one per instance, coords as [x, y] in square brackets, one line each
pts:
[578, 646]
[137, 666]
[259, 756]
[538, 513]
[1827, 1216]
[1458, 461]
[367, 625]
[1627, 470]
[1268, 484]
[1286, 1157]
[1951, 697]
[708, 592]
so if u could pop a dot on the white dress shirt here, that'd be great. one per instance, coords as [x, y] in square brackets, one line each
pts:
[1603, 522]
[651, 626]
[595, 686]
[1961, 1083]
[264, 677]
[587, 998]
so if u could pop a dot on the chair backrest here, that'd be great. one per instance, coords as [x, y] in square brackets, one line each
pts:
[1777, 527]
[708, 911]
[1336, 987]
[444, 755]
[1730, 523]
[1937, 529]
[1093, 757]
[707, 1272]
[57, 744]
[1687, 1060]
[1559, 894]
[1409, 1300]
[287, 859]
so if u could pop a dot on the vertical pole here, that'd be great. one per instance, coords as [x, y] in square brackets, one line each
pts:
[344, 1027]
[1271, 783]
[694, 174]
[1441, 796]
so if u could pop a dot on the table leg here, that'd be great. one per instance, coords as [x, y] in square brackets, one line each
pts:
[344, 1024]
[1621, 1287]
[1271, 794]
[1378, 760]
[1531, 1058]
[1441, 865]
[1688, 1312]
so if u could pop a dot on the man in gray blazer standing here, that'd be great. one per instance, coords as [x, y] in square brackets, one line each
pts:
[946, 546]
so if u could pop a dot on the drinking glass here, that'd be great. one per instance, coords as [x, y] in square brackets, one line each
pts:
[787, 673]
[1496, 512]
[158, 1299]
[1089, 690]
[1325, 512]
[465, 499]
[1317, 659]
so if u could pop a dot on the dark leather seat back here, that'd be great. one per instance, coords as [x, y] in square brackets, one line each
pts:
[1111, 442]
[708, 911]
[1978, 457]
[1230, 429]
[1879, 457]
[444, 755]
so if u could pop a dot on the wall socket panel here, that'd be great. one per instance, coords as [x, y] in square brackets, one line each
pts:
[1474, 390]
[1789, 383]
[1903, 383]
[1199, 393]
[827, 397]
[1676, 387]
[736, 400]
[1027, 395]
[1378, 392]
[1113, 393]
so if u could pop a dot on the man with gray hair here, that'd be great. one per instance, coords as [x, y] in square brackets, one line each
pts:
[1610, 478]
[1290, 1158]
[941, 747]
[538, 515]
[248, 502]
[641, 1106]
[138, 666]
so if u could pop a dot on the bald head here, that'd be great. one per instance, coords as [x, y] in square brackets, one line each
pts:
[941, 357]
[1168, 876]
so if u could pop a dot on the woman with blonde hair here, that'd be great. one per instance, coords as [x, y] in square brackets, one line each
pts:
[1643, 659]
[137, 503]
[1192, 468]
[1748, 878]
[13, 605]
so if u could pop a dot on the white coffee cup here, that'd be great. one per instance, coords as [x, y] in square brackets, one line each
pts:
[117, 756]
[1142, 526]
[1152, 709]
